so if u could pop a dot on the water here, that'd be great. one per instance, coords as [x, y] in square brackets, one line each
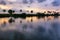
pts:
[30, 28]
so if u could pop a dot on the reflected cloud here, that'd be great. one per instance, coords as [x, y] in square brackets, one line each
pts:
[44, 29]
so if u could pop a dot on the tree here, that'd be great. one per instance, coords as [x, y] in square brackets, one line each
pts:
[10, 12]
[13, 11]
[20, 10]
[31, 11]
[44, 11]
[4, 10]
[48, 11]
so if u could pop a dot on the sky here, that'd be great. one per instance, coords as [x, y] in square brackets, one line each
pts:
[36, 5]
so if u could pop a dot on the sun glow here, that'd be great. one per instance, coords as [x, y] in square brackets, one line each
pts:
[35, 9]
[2, 20]
[34, 19]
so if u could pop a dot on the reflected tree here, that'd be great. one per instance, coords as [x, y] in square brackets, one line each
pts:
[21, 21]
[31, 20]
[24, 27]
[11, 20]
[44, 11]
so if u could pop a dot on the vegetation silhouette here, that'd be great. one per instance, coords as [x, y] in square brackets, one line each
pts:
[31, 11]
[20, 10]
[31, 20]
[10, 12]
[11, 20]
[4, 10]
[24, 15]
[13, 11]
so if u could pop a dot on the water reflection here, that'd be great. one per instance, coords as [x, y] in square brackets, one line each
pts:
[31, 28]
[11, 20]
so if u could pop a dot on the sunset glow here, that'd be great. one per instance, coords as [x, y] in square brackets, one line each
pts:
[35, 5]
[5, 7]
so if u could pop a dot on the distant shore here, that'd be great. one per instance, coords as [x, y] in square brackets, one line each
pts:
[27, 15]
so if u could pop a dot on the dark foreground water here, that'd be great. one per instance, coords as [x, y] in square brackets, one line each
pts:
[31, 28]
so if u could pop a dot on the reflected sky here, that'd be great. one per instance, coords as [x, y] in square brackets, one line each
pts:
[30, 28]
[28, 22]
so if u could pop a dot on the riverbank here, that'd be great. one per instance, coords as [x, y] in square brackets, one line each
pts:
[27, 15]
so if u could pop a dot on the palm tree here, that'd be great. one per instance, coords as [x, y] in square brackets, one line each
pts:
[10, 12]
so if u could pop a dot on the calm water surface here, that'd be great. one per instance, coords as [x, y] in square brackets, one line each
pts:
[30, 28]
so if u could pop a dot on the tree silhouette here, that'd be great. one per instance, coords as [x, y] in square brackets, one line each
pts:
[44, 11]
[10, 12]
[38, 13]
[28, 11]
[48, 11]
[20, 10]
[13, 11]
[31, 11]
[4, 10]
[11, 20]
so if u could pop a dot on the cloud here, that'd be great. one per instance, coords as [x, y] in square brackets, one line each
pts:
[2, 2]
[20, 1]
[31, 1]
[25, 1]
[39, 1]
[56, 3]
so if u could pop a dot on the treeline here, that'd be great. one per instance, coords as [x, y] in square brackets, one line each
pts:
[12, 14]
[28, 15]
